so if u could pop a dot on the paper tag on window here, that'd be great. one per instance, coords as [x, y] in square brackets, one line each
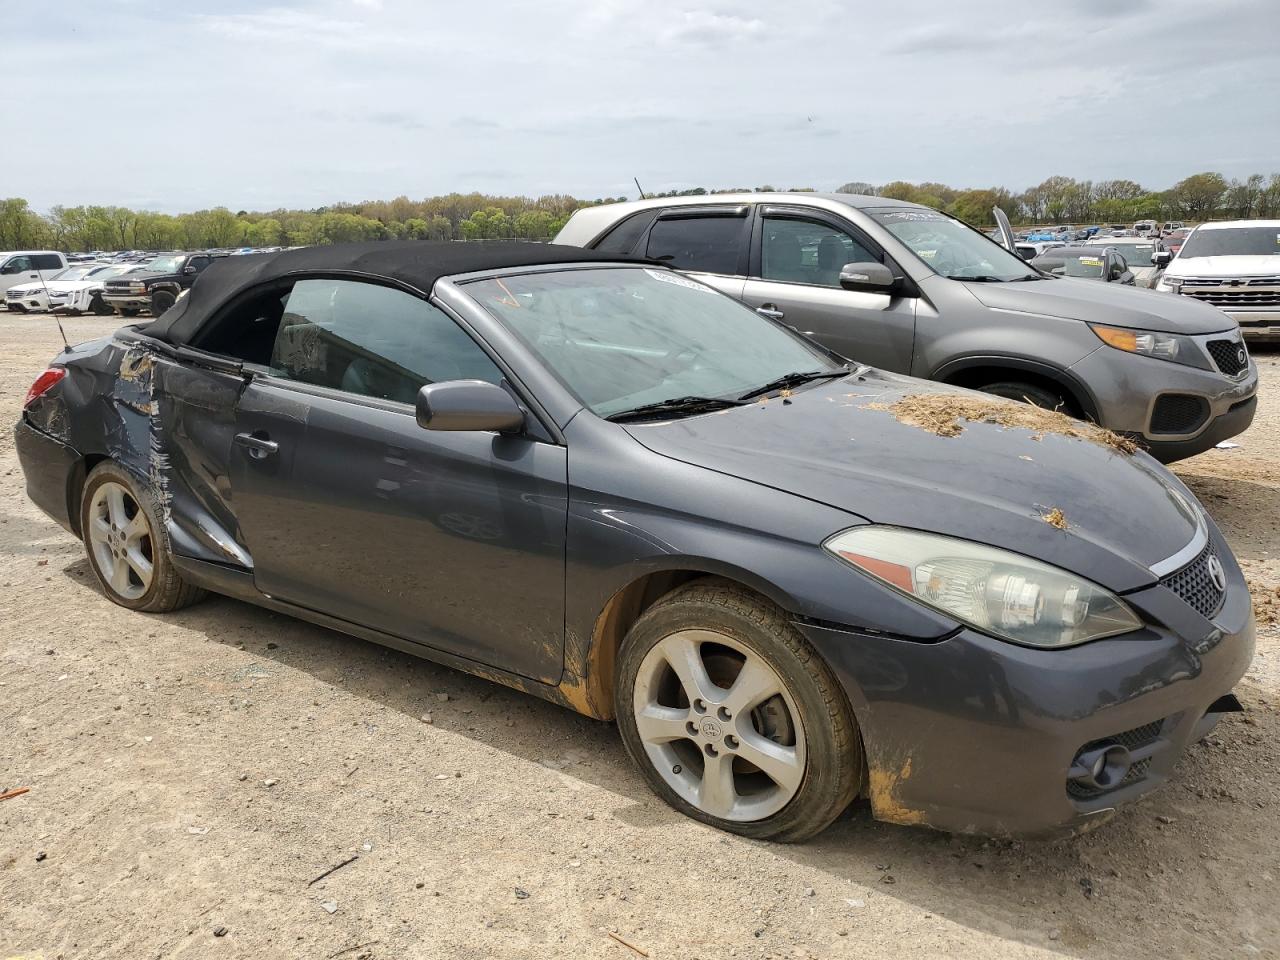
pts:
[678, 280]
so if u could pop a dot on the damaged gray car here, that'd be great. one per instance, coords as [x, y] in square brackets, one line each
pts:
[792, 581]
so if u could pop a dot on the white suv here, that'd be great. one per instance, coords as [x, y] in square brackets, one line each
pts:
[22, 266]
[1234, 265]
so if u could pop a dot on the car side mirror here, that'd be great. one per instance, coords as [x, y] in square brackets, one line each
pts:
[188, 269]
[468, 405]
[867, 277]
[1162, 258]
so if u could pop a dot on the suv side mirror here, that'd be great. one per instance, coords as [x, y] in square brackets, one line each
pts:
[867, 277]
[188, 269]
[468, 405]
[1162, 258]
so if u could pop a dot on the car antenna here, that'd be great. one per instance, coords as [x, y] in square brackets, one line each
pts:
[49, 303]
[638, 187]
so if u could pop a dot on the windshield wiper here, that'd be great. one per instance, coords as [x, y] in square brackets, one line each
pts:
[1029, 276]
[979, 278]
[793, 380]
[675, 405]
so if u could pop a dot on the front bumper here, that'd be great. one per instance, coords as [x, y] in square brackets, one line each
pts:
[48, 465]
[132, 301]
[1129, 390]
[974, 735]
[32, 303]
[1258, 326]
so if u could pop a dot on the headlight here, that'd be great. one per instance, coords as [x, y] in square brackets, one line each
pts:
[1006, 595]
[1149, 343]
[1170, 284]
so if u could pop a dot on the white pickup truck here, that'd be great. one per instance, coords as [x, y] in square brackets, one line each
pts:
[1234, 265]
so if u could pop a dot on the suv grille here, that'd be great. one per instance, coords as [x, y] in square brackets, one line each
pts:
[1243, 292]
[1179, 413]
[1229, 355]
[1194, 585]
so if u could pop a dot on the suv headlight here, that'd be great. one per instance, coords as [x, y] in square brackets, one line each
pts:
[1150, 343]
[1170, 284]
[1000, 593]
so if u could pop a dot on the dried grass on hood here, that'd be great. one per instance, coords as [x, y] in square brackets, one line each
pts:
[942, 413]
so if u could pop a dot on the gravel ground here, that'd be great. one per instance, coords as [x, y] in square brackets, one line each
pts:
[191, 775]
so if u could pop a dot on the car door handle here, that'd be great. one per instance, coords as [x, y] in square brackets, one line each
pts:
[770, 310]
[259, 447]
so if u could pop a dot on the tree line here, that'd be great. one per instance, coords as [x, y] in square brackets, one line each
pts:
[475, 216]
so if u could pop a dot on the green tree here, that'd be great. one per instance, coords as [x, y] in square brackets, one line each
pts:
[1200, 195]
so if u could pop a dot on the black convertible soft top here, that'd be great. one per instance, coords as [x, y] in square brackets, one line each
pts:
[415, 263]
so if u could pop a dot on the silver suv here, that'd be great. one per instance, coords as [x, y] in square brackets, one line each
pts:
[906, 288]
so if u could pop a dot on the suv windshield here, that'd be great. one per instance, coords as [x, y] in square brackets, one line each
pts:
[1233, 242]
[620, 338]
[951, 248]
[164, 264]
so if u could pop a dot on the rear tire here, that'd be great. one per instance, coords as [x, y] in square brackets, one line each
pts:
[127, 545]
[1031, 393]
[733, 719]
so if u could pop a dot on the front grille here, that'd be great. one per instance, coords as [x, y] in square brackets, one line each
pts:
[13, 294]
[1177, 413]
[1237, 298]
[1229, 355]
[1194, 585]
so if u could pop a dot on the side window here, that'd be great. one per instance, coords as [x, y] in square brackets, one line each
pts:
[48, 261]
[807, 251]
[623, 237]
[703, 244]
[17, 265]
[200, 263]
[372, 340]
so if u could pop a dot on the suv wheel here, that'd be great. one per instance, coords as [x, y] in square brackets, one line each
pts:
[127, 545]
[161, 301]
[1031, 393]
[732, 717]
[99, 307]
[128, 311]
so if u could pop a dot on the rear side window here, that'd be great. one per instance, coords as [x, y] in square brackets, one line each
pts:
[48, 261]
[624, 237]
[373, 341]
[702, 244]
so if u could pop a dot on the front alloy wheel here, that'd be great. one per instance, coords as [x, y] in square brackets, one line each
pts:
[733, 718]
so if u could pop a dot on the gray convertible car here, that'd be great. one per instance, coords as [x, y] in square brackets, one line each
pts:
[791, 580]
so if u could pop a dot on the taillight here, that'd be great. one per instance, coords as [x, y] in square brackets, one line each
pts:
[44, 383]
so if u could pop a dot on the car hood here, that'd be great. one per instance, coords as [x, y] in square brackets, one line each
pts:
[139, 275]
[840, 443]
[1241, 266]
[1111, 303]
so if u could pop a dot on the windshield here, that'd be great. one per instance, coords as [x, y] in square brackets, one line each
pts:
[115, 270]
[164, 264]
[1233, 242]
[622, 337]
[1135, 254]
[950, 248]
[1071, 265]
[73, 273]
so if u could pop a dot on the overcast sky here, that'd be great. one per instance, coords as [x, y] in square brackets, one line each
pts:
[257, 105]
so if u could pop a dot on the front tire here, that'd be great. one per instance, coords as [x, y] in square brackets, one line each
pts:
[100, 307]
[128, 311]
[161, 301]
[733, 719]
[1031, 393]
[127, 546]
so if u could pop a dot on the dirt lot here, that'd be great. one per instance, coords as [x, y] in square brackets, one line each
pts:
[194, 773]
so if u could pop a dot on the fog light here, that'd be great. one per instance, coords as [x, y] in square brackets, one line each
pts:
[1102, 767]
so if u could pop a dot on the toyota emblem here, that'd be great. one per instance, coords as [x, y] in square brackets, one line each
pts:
[1216, 573]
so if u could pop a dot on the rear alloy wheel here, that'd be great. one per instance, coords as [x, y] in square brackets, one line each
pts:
[127, 546]
[733, 719]
[1030, 393]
